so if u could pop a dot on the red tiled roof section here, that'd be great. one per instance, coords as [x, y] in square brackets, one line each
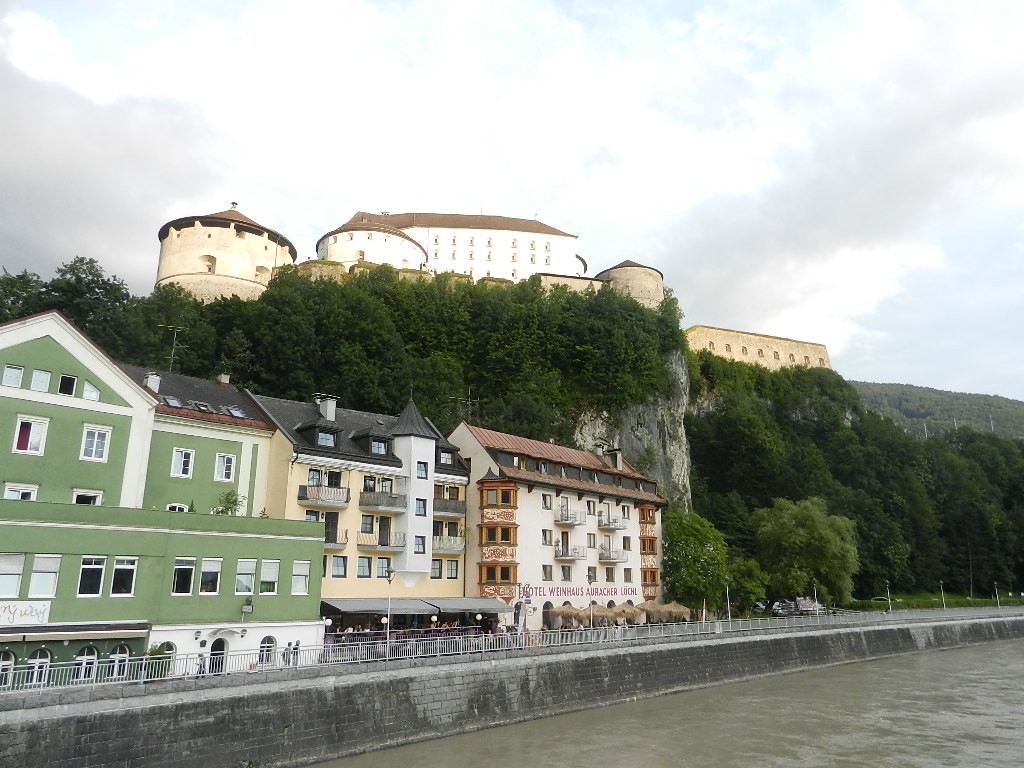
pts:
[231, 214]
[216, 418]
[500, 441]
[582, 485]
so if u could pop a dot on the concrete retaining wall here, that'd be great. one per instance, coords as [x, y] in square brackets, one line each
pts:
[312, 715]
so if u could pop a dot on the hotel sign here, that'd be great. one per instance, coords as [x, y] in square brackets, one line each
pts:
[23, 613]
[585, 591]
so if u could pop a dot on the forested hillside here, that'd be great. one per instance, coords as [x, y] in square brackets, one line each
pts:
[949, 508]
[923, 412]
[515, 358]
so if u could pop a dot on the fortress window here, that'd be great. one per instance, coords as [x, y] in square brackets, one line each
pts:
[547, 246]
[533, 245]
[807, 360]
[453, 254]
[472, 241]
[513, 257]
[760, 353]
[369, 235]
[743, 350]
[514, 274]
[728, 347]
[209, 263]
[821, 361]
[350, 235]
[792, 358]
[711, 346]
[453, 241]
[488, 242]
[547, 259]
[436, 238]
[776, 355]
[488, 253]
[513, 242]
[470, 255]
[533, 259]
[334, 239]
[488, 273]
[435, 254]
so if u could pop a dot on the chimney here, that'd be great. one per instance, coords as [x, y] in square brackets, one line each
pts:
[328, 405]
[614, 456]
[151, 381]
[224, 379]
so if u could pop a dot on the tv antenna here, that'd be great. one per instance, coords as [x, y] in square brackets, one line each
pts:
[175, 346]
[465, 405]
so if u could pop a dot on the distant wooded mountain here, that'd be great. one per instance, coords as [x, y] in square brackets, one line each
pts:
[918, 408]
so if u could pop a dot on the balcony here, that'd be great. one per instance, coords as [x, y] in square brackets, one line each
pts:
[324, 496]
[570, 553]
[449, 508]
[609, 555]
[569, 517]
[389, 543]
[383, 501]
[608, 522]
[448, 545]
[334, 538]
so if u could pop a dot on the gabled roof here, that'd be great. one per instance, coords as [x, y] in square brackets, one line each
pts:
[201, 399]
[297, 420]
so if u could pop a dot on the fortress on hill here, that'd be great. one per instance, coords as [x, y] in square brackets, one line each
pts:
[227, 253]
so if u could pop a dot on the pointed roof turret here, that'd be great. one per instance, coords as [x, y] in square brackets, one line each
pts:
[412, 422]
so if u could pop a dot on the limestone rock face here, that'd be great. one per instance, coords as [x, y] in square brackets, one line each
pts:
[651, 437]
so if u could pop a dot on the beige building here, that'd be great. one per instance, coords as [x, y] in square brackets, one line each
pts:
[557, 525]
[221, 254]
[772, 352]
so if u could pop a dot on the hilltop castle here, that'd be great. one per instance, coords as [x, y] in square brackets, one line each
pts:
[227, 253]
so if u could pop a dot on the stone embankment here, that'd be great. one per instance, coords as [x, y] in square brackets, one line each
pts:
[301, 716]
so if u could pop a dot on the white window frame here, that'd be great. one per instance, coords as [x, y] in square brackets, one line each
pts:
[343, 560]
[90, 391]
[74, 384]
[378, 447]
[36, 421]
[270, 574]
[124, 563]
[21, 489]
[35, 585]
[13, 374]
[224, 467]
[178, 467]
[87, 492]
[16, 568]
[40, 381]
[100, 449]
[101, 566]
[246, 567]
[183, 562]
[177, 507]
[451, 569]
[212, 565]
[300, 577]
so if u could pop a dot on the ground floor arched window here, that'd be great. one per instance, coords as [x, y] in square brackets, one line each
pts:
[119, 660]
[85, 664]
[6, 668]
[268, 646]
[38, 667]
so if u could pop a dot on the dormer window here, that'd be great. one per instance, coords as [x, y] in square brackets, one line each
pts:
[446, 457]
[379, 447]
[325, 439]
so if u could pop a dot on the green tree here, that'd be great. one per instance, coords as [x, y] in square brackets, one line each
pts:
[693, 562]
[747, 582]
[800, 543]
[20, 294]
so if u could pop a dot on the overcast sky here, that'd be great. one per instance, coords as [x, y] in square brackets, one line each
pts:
[845, 173]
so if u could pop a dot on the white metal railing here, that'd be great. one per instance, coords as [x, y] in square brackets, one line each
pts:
[366, 647]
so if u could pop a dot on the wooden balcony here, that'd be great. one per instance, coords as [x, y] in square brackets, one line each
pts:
[324, 496]
[395, 503]
[393, 543]
[448, 545]
[449, 508]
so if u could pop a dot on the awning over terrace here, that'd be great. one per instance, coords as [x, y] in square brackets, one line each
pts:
[375, 605]
[468, 605]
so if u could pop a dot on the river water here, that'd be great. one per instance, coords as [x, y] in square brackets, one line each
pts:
[962, 707]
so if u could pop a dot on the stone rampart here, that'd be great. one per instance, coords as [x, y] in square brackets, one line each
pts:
[309, 715]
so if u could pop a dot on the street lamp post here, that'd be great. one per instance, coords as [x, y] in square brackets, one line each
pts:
[728, 608]
[387, 621]
[888, 596]
[943, 593]
[817, 609]
[995, 584]
[591, 578]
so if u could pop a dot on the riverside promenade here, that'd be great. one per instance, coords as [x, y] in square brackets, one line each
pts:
[303, 714]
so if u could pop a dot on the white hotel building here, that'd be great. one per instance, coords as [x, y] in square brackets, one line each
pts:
[573, 525]
[477, 246]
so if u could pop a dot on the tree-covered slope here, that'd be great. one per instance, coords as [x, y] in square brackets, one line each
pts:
[923, 412]
[949, 508]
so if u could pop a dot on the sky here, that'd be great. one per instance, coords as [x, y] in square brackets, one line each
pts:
[847, 173]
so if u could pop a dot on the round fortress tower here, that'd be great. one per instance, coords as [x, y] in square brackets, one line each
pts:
[221, 254]
[645, 284]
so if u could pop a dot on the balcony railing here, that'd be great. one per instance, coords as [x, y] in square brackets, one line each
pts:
[335, 538]
[324, 496]
[568, 517]
[612, 555]
[449, 508]
[392, 502]
[570, 553]
[378, 541]
[609, 522]
[448, 544]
